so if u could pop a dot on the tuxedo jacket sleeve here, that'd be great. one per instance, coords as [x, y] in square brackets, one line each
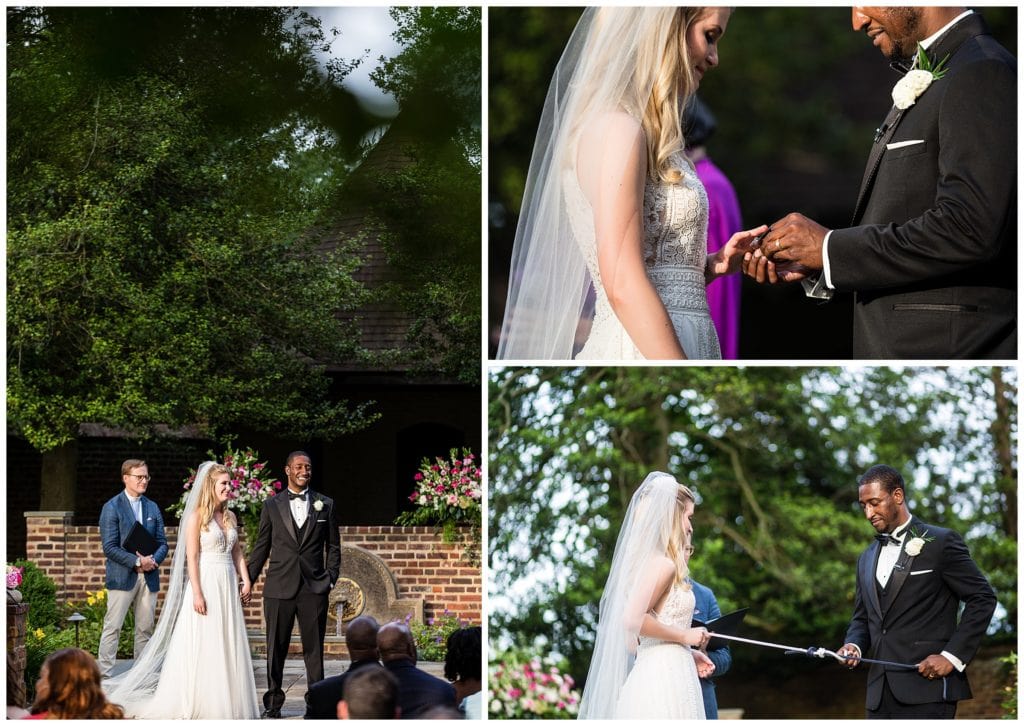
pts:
[944, 208]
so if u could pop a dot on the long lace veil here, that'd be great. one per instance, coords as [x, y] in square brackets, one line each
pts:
[605, 69]
[138, 683]
[644, 537]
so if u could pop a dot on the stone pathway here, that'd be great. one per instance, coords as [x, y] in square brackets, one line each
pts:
[294, 681]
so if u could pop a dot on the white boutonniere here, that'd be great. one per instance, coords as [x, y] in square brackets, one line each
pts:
[917, 542]
[909, 88]
[318, 505]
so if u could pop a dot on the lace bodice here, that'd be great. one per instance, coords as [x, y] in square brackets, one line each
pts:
[216, 540]
[677, 611]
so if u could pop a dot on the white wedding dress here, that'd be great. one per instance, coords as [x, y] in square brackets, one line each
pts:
[675, 253]
[663, 683]
[207, 671]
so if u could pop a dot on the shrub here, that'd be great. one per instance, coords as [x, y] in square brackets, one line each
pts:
[40, 592]
[432, 636]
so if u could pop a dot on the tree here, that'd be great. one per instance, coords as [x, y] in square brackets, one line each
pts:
[163, 166]
[772, 454]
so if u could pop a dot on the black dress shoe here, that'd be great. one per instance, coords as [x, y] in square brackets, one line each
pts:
[271, 713]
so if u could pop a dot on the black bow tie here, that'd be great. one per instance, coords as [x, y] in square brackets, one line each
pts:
[292, 495]
[885, 539]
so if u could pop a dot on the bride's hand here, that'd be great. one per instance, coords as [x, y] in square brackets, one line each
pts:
[727, 260]
[696, 637]
[705, 666]
[199, 603]
[246, 592]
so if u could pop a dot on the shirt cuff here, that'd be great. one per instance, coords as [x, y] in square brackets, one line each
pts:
[824, 262]
[957, 663]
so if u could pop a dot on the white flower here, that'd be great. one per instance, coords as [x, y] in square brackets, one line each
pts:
[906, 92]
[318, 505]
[914, 546]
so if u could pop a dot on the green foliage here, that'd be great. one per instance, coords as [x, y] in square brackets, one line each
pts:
[772, 454]
[1010, 703]
[159, 269]
[39, 591]
[432, 636]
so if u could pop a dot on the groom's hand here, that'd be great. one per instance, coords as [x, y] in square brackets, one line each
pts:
[795, 239]
[934, 666]
[758, 267]
[847, 651]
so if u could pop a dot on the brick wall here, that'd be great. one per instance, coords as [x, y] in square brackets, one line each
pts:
[423, 565]
[17, 615]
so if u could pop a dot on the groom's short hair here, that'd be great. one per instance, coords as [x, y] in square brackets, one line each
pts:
[889, 478]
[294, 455]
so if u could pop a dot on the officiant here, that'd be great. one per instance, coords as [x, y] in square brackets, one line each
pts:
[134, 543]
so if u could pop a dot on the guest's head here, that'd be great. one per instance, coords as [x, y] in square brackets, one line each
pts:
[69, 687]
[215, 489]
[361, 638]
[370, 692]
[462, 661]
[135, 475]
[395, 642]
[298, 468]
[882, 497]
[441, 712]
[699, 123]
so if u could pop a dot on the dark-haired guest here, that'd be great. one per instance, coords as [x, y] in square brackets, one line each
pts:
[361, 640]
[462, 667]
[417, 689]
[371, 692]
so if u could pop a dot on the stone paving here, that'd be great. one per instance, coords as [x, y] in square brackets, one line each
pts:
[294, 681]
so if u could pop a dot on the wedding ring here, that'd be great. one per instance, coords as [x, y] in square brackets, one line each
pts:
[778, 244]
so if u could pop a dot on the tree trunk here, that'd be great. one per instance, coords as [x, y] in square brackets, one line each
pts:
[60, 478]
[1002, 439]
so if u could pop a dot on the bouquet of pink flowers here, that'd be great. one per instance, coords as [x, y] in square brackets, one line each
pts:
[523, 687]
[447, 493]
[13, 577]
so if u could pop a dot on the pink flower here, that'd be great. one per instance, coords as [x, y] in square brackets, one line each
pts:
[418, 477]
[514, 693]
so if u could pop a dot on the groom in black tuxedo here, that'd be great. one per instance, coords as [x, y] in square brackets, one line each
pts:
[910, 583]
[299, 533]
[931, 251]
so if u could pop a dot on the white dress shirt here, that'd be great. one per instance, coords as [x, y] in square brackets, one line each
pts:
[300, 508]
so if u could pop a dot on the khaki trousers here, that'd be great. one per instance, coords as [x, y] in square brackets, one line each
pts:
[118, 602]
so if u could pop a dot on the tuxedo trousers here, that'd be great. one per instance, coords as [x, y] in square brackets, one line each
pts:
[279, 614]
[890, 707]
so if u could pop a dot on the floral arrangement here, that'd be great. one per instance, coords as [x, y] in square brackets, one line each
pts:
[13, 577]
[527, 688]
[432, 636]
[447, 494]
[251, 485]
[906, 92]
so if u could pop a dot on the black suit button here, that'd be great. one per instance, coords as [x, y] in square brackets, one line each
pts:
[884, 631]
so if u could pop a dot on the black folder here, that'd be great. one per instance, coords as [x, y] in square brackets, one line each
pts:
[140, 540]
[726, 625]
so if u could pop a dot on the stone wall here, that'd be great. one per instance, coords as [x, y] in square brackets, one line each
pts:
[17, 616]
[423, 566]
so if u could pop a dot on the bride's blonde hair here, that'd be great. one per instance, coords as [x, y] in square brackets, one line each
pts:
[207, 505]
[680, 538]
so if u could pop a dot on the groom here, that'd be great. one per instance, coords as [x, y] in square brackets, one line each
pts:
[931, 252]
[299, 533]
[910, 584]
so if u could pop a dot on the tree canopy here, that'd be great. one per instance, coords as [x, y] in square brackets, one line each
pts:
[773, 455]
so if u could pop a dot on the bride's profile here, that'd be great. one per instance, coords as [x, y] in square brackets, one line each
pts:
[612, 205]
[197, 664]
[646, 661]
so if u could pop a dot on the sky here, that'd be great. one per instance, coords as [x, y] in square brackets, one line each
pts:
[365, 33]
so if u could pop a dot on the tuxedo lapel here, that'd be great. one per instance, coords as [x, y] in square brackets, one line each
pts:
[867, 577]
[286, 515]
[308, 530]
[886, 131]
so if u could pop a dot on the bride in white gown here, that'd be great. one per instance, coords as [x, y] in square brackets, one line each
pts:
[647, 659]
[197, 664]
[612, 205]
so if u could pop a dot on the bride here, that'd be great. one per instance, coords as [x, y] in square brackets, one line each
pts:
[197, 664]
[646, 661]
[611, 202]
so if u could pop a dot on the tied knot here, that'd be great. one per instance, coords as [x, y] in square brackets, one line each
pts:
[292, 496]
[888, 539]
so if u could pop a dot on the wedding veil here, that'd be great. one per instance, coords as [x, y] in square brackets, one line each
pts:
[644, 537]
[138, 683]
[609, 67]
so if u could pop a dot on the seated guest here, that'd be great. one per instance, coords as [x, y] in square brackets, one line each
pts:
[69, 687]
[462, 667]
[361, 638]
[417, 690]
[371, 692]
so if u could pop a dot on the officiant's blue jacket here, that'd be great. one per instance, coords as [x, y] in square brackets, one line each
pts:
[707, 609]
[116, 520]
